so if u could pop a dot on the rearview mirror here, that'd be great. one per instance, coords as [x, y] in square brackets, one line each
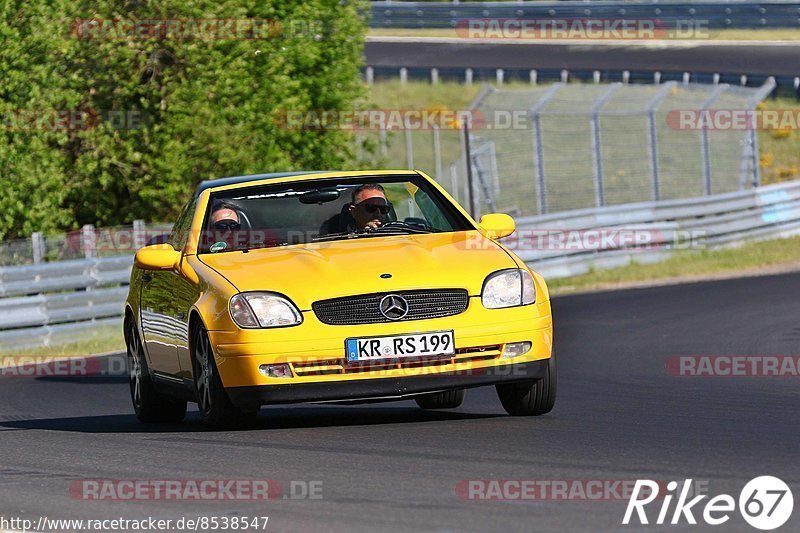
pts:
[320, 196]
[157, 257]
[497, 225]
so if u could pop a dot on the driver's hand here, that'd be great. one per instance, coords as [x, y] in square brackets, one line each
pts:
[372, 224]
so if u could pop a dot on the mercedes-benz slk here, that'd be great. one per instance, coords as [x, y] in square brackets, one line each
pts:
[333, 286]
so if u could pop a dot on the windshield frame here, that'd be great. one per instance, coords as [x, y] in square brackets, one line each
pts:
[455, 216]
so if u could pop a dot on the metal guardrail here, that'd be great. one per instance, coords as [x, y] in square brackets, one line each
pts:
[670, 227]
[64, 275]
[713, 15]
[30, 320]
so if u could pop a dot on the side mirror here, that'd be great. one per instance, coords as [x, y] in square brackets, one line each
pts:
[497, 225]
[158, 239]
[157, 257]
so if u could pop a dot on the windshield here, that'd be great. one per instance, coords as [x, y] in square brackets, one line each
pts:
[325, 210]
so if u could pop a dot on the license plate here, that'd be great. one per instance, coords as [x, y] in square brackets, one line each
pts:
[414, 345]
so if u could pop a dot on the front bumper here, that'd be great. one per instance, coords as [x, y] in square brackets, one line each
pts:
[385, 388]
[315, 352]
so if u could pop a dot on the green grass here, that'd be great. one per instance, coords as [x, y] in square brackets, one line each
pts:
[102, 340]
[749, 258]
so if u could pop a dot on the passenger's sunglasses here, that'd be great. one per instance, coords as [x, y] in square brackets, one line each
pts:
[226, 225]
[375, 208]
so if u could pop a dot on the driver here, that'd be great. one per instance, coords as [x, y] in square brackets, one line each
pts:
[369, 208]
[224, 218]
[223, 228]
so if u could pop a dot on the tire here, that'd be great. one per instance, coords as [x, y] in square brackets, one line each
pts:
[150, 405]
[531, 398]
[216, 408]
[449, 399]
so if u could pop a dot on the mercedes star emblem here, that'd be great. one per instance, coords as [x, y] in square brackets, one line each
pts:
[393, 307]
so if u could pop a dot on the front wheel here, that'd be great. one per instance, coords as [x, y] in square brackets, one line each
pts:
[150, 406]
[531, 398]
[216, 408]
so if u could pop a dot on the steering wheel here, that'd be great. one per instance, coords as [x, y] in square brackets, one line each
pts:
[404, 224]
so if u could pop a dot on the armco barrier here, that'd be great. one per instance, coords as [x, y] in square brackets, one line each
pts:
[713, 15]
[51, 317]
[676, 225]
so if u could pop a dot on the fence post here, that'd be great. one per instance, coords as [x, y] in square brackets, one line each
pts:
[468, 162]
[751, 143]
[597, 150]
[538, 146]
[652, 139]
[468, 76]
[383, 142]
[454, 181]
[403, 75]
[37, 244]
[437, 154]
[756, 162]
[370, 75]
[705, 149]
[409, 146]
[88, 241]
[139, 235]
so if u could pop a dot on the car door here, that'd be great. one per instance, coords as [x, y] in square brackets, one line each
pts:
[162, 318]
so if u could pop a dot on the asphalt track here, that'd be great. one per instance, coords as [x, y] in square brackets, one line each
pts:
[391, 467]
[743, 58]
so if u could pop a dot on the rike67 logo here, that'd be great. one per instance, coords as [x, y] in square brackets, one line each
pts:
[765, 503]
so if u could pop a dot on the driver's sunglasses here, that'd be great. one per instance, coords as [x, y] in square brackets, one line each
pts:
[226, 225]
[374, 208]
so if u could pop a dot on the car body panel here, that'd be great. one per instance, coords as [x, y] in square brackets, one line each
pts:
[311, 272]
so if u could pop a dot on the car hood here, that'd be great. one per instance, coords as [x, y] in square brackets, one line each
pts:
[310, 272]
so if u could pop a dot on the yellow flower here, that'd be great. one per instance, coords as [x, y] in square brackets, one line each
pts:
[782, 133]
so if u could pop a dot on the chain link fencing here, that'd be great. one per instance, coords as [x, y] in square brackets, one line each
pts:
[573, 146]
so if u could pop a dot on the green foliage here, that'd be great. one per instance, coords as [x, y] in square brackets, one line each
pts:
[210, 107]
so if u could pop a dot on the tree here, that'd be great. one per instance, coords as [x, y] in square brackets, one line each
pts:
[170, 109]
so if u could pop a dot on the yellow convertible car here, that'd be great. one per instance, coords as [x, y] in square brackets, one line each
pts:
[333, 287]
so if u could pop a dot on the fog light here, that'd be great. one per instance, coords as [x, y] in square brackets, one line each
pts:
[276, 371]
[514, 349]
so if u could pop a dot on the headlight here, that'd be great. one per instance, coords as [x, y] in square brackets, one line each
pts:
[263, 310]
[508, 288]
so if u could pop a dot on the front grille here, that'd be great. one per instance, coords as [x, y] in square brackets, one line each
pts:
[364, 309]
